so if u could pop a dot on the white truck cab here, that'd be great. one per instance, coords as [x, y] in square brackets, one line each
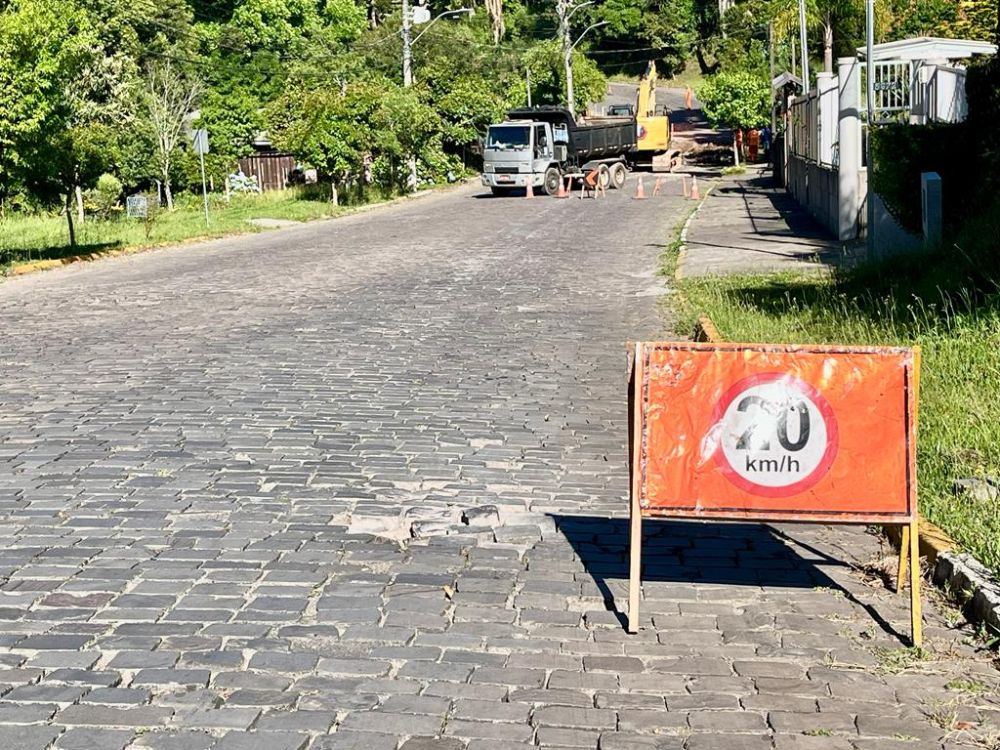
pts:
[519, 152]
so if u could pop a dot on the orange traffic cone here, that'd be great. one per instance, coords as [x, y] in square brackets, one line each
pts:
[695, 195]
[640, 190]
[530, 191]
[657, 186]
[563, 191]
[684, 185]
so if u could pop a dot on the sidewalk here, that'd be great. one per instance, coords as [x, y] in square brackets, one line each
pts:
[747, 225]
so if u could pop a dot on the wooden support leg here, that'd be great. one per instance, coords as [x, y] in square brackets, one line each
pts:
[635, 563]
[916, 622]
[904, 553]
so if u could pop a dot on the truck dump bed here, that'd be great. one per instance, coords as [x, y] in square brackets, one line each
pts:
[600, 140]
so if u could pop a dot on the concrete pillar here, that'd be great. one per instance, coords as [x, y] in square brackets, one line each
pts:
[827, 115]
[850, 195]
[930, 202]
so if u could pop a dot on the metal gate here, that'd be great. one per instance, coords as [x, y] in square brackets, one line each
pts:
[893, 83]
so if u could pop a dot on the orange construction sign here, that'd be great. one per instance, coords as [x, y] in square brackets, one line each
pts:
[774, 433]
[745, 431]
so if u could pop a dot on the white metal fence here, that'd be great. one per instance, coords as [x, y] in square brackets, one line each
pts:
[813, 126]
[894, 85]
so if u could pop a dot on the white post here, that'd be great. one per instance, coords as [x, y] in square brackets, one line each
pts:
[850, 197]
[204, 189]
[826, 116]
[932, 213]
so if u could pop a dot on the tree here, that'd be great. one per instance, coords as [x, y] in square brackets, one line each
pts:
[547, 76]
[737, 100]
[495, 10]
[169, 97]
[326, 128]
[58, 99]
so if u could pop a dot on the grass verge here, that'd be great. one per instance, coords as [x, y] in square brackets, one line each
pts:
[44, 237]
[949, 303]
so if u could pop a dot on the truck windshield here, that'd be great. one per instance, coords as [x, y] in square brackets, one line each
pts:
[507, 136]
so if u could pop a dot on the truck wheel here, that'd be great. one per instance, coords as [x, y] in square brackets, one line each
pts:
[619, 173]
[552, 180]
[500, 192]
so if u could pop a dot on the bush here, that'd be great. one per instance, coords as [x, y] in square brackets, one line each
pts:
[103, 198]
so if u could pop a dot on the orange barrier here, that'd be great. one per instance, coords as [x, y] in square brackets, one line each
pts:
[773, 433]
[591, 183]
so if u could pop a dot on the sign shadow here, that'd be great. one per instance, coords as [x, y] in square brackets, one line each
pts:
[679, 555]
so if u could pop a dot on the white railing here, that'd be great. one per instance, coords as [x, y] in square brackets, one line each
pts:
[813, 126]
[945, 92]
[894, 89]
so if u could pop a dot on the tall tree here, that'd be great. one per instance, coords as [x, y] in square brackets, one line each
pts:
[495, 10]
[58, 98]
[169, 97]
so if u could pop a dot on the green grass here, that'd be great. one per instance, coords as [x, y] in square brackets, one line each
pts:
[947, 303]
[41, 237]
[690, 76]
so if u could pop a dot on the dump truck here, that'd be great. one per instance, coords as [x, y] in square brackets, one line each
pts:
[542, 145]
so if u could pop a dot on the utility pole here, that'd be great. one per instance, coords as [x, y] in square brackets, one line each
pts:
[870, 117]
[411, 159]
[805, 46]
[770, 51]
[527, 83]
[563, 11]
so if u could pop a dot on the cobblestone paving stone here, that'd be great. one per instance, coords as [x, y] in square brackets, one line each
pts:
[361, 484]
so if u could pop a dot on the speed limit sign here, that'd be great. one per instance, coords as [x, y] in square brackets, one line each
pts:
[777, 434]
[754, 431]
[774, 432]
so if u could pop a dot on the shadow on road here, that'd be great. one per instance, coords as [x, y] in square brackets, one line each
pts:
[693, 553]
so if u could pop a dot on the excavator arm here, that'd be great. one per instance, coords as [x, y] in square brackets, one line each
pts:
[645, 105]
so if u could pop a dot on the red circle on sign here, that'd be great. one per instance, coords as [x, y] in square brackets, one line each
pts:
[818, 400]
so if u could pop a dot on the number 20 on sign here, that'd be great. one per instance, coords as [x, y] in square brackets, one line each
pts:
[774, 433]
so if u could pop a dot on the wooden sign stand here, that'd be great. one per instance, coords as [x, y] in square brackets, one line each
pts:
[909, 553]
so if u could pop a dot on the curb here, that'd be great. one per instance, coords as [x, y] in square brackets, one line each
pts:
[682, 251]
[22, 269]
[962, 575]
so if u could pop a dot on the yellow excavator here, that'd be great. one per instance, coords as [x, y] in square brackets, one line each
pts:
[652, 148]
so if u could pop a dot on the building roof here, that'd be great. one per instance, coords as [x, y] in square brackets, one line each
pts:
[784, 79]
[929, 48]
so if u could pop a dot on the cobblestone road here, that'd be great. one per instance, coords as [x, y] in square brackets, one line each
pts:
[360, 484]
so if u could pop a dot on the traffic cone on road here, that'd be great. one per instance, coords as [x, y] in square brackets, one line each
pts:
[657, 186]
[530, 191]
[563, 188]
[640, 190]
[695, 195]
[684, 185]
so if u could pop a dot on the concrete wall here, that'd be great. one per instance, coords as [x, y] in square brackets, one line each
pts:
[815, 188]
[890, 238]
